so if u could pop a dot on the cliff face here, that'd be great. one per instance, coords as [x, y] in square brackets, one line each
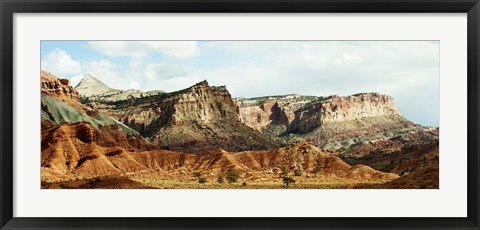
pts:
[202, 118]
[194, 120]
[338, 109]
[279, 110]
[57, 87]
[335, 122]
[199, 102]
[301, 114]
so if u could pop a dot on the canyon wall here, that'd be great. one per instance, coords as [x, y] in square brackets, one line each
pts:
[338, 109]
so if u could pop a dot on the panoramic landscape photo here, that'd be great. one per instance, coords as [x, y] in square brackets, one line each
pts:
[239, 114]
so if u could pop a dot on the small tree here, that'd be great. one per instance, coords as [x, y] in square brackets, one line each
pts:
[232, 177]
[316, 169]
[220, 179]
[197, 174]
[288, 180]
[202, 180]
[244, 184]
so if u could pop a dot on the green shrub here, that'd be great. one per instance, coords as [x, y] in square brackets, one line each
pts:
[244, 184]
[220, 179]
[232, 177]
[202, 180]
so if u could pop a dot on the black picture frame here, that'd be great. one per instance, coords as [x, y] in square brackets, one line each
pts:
[9, 7]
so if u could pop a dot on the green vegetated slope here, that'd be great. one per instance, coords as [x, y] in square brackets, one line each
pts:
[60, 112]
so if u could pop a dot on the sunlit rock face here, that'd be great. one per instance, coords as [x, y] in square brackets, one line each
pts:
[196, 119]
[57, 87]
[348, 108]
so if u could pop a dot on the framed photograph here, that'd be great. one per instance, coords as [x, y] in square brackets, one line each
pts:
[231, 114]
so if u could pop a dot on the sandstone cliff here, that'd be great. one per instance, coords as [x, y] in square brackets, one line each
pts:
[57, 87]
[338, 109]
[346, 123]
[194, 120]
[260, 112]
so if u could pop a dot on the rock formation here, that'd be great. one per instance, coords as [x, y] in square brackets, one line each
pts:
[260, 112]
[74, 151]
[338, 109]
[56, 87]
[193, 120]
[106, 138]
[335, 122]
[66, 124]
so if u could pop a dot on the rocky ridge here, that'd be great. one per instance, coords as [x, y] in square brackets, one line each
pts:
[334, 122]
[193, 120]
[57, 87]
[74, 151]
[338, 109]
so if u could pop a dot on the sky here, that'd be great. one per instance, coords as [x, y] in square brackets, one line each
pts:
[406, 70]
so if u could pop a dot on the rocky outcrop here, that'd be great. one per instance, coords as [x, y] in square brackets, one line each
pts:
[199, 102]
[301, 114]
[193, 120]
[259, 117]
[57, 87]
[199, 119]
[335, 122]
[338, 109]
[260, 112]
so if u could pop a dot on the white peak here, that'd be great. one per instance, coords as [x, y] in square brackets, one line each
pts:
[90, 86]
[89, 76]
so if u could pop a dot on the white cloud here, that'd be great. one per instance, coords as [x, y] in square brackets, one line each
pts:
[347, 58]
[114, 76]
[60, 63]
[158, 71]
[406, 70]
[138, 49]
